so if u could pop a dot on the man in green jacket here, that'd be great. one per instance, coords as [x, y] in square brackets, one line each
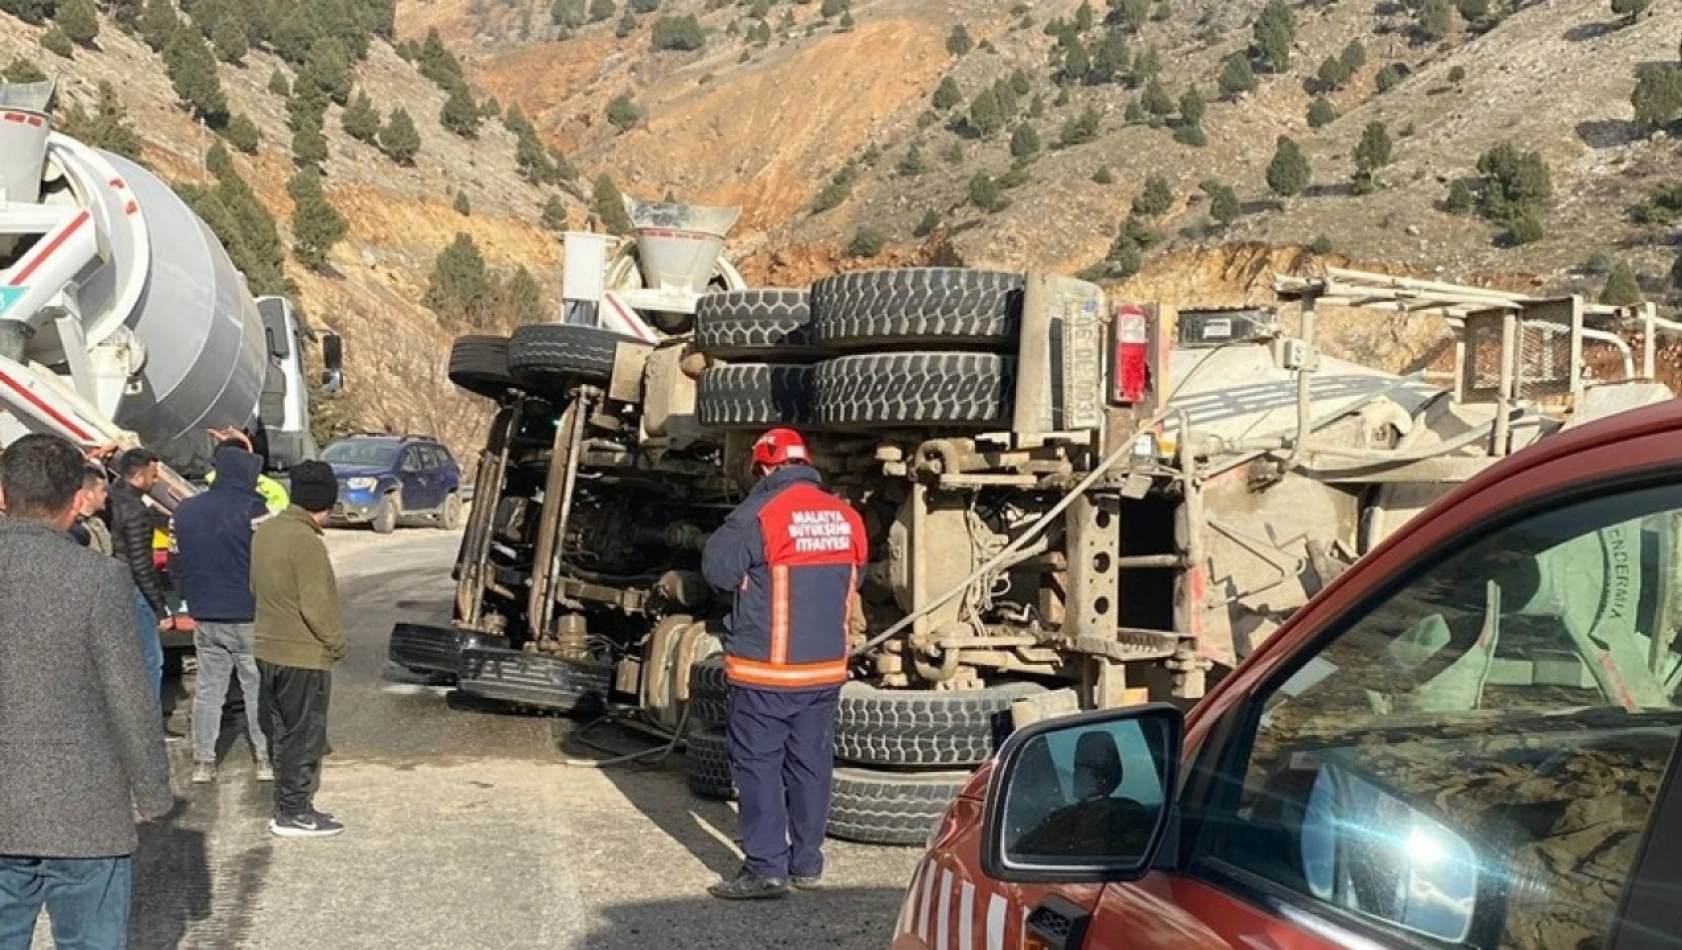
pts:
[300, 635]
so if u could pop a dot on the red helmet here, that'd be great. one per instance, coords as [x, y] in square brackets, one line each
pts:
[779, 446]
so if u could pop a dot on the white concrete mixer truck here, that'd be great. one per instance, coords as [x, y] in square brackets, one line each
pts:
[122, 318]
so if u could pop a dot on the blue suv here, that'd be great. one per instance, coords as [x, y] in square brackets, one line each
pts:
[385, 480]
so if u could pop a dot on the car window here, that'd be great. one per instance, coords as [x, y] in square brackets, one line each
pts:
[360, 452]
[1475, 757]
[412, 460]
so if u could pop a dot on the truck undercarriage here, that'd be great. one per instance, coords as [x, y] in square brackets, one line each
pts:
[1068, 505]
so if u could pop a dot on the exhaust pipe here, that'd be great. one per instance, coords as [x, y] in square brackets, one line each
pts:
[677, 245]
[25, 120]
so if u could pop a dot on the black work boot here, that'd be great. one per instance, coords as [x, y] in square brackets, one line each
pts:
[748, 886]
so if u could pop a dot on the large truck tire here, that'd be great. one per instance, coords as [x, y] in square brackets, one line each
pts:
[706, 764]
[915, 389]
[709, 693]
[769, 324]
[890, 807]
[923, 728]
[754, 395]
[553, 356]
[534, 680]
[918, 306]
[479, 364]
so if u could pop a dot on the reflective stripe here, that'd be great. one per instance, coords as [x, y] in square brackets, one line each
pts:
[786, 676]
[779, 615]
[966, 917]
[926, 905]
[996, 908]
[941, 928]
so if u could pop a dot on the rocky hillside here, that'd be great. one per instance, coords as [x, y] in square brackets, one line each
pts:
[398, 217]
[851, 126]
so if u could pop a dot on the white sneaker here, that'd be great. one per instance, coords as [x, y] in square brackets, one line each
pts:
[265, 772]
[204, 773]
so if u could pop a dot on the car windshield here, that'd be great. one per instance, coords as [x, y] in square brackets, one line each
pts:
[360, 452]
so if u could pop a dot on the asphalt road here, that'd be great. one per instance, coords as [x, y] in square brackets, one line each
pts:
[465, 828]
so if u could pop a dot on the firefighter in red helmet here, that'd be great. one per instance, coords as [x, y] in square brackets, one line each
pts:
[793, 556]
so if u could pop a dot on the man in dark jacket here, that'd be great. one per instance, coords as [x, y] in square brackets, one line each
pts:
[300, 635]
[132, 525]
[793, 555]
[84, 754]
[212, 561]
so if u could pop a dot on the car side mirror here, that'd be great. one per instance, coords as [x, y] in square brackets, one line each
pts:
[332, 381]
[333, 352]
[1083, 798]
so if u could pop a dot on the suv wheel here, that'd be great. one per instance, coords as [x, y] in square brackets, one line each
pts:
[449, 517]
[386, 515]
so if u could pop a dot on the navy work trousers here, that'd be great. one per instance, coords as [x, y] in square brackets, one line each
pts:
[782, 755]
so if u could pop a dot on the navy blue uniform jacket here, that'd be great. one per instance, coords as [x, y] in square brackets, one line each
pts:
[793, 555]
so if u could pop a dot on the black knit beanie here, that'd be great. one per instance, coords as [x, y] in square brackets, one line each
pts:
[314, 487]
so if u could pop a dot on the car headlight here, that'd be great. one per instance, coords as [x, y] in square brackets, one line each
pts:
[361, 484]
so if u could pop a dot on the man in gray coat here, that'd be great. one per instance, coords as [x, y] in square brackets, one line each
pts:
[83, 745]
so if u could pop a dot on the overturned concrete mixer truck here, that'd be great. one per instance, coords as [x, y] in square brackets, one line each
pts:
[1073, 501]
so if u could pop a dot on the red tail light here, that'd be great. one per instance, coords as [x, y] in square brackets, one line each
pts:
[1130, 375]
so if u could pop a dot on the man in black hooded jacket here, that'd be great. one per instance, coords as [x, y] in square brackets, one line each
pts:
[132, 524]
[212, 533]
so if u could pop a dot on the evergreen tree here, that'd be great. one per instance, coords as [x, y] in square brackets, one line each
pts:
[229, 39]
[1622, 289]
[1081, 129]
[106, 127]
[1512, 181]
[330, 65]
[242, 133]
[461, 205]
[958, 42]
[521, 299]
[294, 34]
[399, 140]
[1024, 142]
[1658, 95]
[1192, 107]
[460, 115]
[361, 120]
[57, 42]
[601, 11]
[1332, 73]
[1111, 63]
[610, 207]
[1236, 77]
[1156, 198]
[531, 158]
[554, 216]
[1354, 56]
[1321, 113]
[1156, 100]
[21, 70]
[1460, 199]
[985, 194]
[1371, 154]
[678, 33]
[1436, 19]
[316, 224]
[985, 117]
[79, 21]
[1224, 207]
[438, 64]
[622, 112]
[278, 84]
[1288, 174]
[158, 23]
[946, 95]
[309, 146]
[1273, 33]
[460, 283]
[1077, 63]
[1631, 10]
[192, 71]
[926, 226]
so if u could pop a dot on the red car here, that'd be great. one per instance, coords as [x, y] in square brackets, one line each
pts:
[1468, 740]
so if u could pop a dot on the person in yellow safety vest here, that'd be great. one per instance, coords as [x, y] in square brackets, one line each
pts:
[273, 492]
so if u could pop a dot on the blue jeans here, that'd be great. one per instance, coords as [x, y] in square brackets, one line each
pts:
[151, 645]
[87, 900]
